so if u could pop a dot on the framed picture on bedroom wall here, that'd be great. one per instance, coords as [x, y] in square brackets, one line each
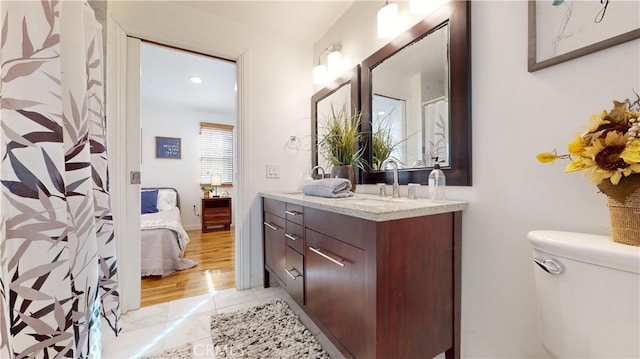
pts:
[168, 147]
[562, 30]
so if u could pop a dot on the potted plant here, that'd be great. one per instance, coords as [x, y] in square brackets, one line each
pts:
[340, 143]
[205, 191]
[383, 143]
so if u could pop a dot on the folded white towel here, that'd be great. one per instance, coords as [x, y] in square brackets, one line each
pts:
[328, 187]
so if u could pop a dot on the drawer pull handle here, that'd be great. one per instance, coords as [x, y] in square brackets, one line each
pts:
[274, 227]
[293, 238]
[291, 273]
[292, 213]
[319, 252]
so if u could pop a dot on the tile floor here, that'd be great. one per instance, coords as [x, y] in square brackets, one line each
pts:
[168, 325]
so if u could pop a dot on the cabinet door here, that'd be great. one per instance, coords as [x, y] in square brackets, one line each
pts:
[336, 290]
[275, 255]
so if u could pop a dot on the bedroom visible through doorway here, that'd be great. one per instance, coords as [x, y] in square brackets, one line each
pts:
[180, 91]
[214, 252]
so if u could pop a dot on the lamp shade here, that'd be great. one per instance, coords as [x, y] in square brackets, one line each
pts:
[319, 74]
[387, 20]
[216, 180]
[334, 62]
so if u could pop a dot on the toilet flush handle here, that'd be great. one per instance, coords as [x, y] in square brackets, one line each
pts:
[550, 266]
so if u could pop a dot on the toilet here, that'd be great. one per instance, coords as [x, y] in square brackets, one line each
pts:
[588, 295]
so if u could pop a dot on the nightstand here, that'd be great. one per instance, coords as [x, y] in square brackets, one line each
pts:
[216, 212]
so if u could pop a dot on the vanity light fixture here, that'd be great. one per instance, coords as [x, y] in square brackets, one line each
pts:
[387, 20]
[334, 62]
[196, 79]
[321, 72]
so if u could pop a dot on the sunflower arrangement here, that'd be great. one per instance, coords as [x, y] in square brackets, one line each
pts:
[609, 151]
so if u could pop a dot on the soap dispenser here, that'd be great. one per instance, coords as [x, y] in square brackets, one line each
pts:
[437, 183]
[306, 178]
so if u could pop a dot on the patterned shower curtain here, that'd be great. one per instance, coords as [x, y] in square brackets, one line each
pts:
[58, 285]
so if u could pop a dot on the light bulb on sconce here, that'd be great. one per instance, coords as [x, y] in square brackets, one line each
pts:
[319, 74]
[323, 73]
[334, 63]
[387, 20]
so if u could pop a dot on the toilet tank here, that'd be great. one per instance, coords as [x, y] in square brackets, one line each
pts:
[588, 304]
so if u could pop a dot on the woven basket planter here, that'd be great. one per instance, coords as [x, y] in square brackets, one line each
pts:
[625, 219]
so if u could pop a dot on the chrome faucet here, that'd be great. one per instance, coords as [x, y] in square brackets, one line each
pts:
[318, 168]
[396, 186]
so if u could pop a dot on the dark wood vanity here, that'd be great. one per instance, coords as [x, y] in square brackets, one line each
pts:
[376, 288]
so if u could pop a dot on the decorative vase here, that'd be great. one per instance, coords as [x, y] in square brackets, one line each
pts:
[345, 171]
[625, 219]
[205, 194]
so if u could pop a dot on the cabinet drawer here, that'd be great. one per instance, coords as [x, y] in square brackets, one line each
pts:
[295, 236]
[295, 213]
[295, 275]
[336, 290]
[274, 207]
[217, 214]
[348, 229]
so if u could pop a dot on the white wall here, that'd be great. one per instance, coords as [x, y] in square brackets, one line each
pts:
[515, 115]
[182, 174]
[277, 103]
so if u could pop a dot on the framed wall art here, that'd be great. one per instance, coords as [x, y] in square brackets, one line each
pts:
[168, 147]
[562, 30]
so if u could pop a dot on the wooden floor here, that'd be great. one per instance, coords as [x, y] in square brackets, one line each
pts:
[215, 254]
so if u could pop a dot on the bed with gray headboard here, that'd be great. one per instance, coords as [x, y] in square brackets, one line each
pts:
[163, 238]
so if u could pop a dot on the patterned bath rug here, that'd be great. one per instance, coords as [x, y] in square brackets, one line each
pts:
[181, 352]
[270, 330]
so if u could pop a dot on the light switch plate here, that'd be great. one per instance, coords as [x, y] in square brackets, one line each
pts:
[273, 171]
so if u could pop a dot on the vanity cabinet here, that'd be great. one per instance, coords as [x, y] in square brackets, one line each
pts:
[379, 288]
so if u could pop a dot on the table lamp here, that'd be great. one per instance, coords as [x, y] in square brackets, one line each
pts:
[216, 181]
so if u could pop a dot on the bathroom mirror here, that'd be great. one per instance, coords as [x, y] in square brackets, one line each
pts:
[344, 91]
[417, 95]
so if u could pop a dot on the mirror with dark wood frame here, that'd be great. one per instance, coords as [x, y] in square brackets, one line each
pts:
[343, 91]
[445, 92]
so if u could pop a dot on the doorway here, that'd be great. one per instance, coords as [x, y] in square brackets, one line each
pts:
[123, 120]
[179, 92]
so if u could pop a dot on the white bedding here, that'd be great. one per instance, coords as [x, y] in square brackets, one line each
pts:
[163, 243]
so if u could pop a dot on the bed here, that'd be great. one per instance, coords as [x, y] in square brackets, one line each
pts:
[163, 238]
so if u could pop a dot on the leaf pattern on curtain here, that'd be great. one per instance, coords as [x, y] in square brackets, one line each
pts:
[58, 270]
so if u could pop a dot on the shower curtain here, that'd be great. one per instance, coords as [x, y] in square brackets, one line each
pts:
[58, 285]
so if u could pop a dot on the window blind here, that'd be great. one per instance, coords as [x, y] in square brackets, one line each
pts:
[216, 152]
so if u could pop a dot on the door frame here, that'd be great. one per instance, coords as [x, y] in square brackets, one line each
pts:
[122, 104]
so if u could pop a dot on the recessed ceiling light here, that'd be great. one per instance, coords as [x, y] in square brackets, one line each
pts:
[195, 79]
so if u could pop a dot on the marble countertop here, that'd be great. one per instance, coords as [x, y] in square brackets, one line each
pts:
[371, 207]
